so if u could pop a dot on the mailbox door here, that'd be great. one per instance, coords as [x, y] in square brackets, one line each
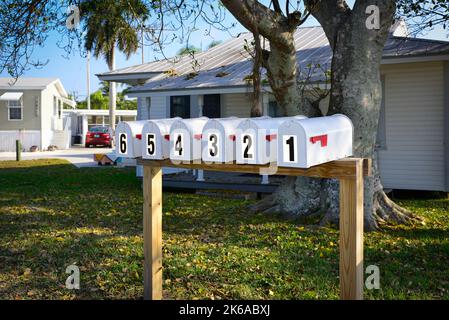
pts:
[292, 145]
[124, 146]
[213, 146]
[180, 141]
[246, 147]
[152, 144]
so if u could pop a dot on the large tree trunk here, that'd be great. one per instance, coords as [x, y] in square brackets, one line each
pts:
[355, 92]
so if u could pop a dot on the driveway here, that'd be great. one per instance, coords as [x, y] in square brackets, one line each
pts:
[78, 156]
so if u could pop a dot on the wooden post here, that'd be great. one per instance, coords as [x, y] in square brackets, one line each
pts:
[351, 235]
[152, 232]
[349, 171]
[18, 150]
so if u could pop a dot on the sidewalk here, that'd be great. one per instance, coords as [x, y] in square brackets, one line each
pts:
[78, 156]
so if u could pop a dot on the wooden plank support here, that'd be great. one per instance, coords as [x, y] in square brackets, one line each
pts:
[152, 232]
[349, 171]
[351, 235]
[343, 168]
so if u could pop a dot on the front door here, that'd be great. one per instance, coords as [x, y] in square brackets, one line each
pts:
[211, 108]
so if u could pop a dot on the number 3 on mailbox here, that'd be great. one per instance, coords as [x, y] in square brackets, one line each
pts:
[212, 141]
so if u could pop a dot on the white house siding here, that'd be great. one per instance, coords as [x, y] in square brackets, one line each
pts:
[50, 121]
[235, 104]
[414, 157]
[29, 127]
[28, 139]
[30, 117]
[157, 108]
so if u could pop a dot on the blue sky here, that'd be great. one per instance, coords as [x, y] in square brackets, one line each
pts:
[72, 70]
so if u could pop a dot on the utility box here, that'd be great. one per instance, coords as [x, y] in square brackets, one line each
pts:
[304, 143]
[218, 140]
[156, 139]
[185, 139]
[127, 139]
[257, 138]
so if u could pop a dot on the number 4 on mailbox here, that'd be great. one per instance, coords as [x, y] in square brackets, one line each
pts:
[179, 144]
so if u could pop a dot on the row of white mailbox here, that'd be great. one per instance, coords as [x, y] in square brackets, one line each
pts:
[290, 141]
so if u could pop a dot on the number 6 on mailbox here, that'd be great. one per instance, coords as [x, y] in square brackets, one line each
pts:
[123, 143]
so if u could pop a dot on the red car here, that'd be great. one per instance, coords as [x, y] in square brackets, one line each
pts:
[99, 136]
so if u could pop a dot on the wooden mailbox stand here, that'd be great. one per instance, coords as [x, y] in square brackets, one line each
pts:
[350, 172]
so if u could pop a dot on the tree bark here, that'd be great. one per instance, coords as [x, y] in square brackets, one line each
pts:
[355, 92]
[280, 61]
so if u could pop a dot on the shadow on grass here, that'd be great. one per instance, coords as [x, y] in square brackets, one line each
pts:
[54, 215]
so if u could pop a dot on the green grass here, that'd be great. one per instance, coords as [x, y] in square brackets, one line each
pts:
[53, 215]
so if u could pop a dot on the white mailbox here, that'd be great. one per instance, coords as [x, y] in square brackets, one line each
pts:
[256, 141]
[156, 139]
[127, 139]
[309, 142]
[185, 139]
[219, 137]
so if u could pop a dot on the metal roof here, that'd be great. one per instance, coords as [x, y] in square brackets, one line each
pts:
[31, 84]
[228, 64]
[38, 83]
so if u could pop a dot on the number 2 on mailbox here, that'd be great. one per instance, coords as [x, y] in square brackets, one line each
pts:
[247, 146]
[290, 152]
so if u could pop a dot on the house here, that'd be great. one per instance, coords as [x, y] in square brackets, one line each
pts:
[413, 136]
[83, 119]
[31, 110]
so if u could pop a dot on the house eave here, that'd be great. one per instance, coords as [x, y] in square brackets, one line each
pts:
[415, 58]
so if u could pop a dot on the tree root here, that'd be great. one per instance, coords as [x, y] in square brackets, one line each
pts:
[263, 205]
[387, 211]
[384, 210]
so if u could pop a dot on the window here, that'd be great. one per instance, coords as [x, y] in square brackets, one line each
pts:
[55, 106]
[180, 107]
[59, 109]
[15, 110]
[211, 108]
[273, 110]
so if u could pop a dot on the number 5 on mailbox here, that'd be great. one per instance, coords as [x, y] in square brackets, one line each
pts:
[151, 144]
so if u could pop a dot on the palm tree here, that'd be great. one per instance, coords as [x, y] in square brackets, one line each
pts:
[112, 24]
